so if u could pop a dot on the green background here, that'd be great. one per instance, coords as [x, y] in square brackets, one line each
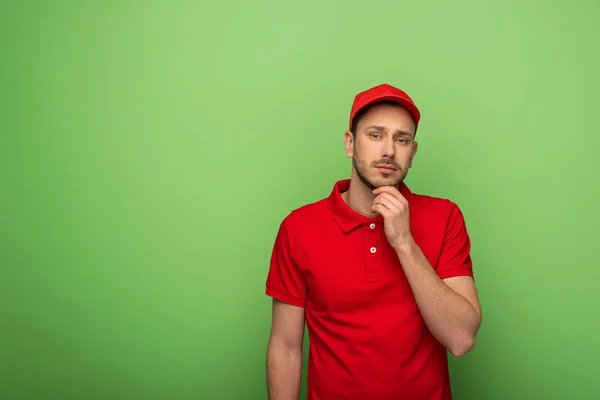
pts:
[149, 151]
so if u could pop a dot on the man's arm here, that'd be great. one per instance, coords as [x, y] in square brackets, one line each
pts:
[449, 307]
[284, 352]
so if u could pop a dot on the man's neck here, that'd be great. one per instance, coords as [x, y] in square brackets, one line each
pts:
[359, 197]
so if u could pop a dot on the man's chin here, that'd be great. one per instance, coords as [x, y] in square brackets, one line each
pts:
[376, 180]
[380, 182]
[388, 179]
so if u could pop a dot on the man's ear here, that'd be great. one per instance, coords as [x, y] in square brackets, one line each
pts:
[349, 144]
[414, 152]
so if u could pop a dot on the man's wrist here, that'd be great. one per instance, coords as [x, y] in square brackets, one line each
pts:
[405, 246]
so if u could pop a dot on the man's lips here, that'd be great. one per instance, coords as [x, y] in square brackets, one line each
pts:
[386, 167]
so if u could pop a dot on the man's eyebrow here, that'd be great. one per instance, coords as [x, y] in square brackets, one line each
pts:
[382, 128]
[378, 127]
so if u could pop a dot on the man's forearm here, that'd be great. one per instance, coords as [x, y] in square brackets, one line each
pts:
[284, 371]
[451, 318]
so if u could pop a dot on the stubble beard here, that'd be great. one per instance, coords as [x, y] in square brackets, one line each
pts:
[361, 171]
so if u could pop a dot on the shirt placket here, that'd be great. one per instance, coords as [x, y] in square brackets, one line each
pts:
[373, 251]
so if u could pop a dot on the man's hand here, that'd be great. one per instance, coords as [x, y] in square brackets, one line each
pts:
[393, 207]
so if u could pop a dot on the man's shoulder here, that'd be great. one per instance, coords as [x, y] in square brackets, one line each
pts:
[433, 202]
[307, 213]
[436, 208]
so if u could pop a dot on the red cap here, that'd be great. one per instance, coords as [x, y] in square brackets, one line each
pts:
[382, 93]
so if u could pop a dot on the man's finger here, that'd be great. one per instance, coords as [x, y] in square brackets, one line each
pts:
[380, 209]
[391, 190]
[398, 202]
[392, 203]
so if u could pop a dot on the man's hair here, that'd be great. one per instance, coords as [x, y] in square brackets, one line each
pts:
[364, 110]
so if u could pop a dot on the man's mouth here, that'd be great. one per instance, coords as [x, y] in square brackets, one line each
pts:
[386, 168]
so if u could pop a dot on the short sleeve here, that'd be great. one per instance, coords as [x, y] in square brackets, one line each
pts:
[284, 280]
[455, 258]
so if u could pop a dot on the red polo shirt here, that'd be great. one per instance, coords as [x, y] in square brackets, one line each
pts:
[368, 340]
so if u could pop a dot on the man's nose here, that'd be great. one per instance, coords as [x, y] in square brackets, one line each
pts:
[389, 150]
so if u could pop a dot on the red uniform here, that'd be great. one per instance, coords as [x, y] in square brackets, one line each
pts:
[368, 340]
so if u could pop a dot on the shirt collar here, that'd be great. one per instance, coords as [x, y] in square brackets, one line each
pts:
[348, 219]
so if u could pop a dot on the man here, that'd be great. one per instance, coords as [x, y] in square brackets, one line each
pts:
[382, 276]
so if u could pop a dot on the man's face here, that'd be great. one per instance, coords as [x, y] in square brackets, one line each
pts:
[384, 146]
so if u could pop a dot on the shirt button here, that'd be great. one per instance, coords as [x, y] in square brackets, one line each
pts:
[372, 226]
[373, 249]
